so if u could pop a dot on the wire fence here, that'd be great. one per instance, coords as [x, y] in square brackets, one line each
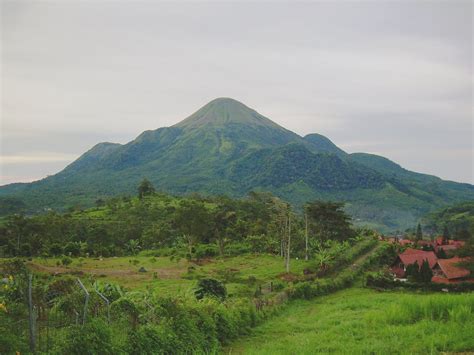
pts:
[50, 315]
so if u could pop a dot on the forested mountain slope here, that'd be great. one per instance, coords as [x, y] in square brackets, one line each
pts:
[227, 148]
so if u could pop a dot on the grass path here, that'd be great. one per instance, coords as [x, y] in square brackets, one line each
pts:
[358, 321]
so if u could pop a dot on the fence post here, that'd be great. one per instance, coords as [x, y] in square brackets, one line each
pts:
[77, 317]
[86, 301]
[31, 314]
[106, 300]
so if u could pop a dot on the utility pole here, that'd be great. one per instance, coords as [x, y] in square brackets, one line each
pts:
[31, 315]
[306, 235]
[288, 244]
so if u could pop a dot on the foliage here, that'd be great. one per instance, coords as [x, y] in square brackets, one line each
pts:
[319, 287]
[145, 188]
[93, 338]
[210, 287]
[456, 221]
[419, 233]
[66, 261]
[382, 280]
[328, 221]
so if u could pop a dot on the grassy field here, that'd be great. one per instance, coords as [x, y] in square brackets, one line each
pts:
[169, 276]
[362, 321]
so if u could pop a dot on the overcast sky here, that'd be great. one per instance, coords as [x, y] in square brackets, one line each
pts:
[387, 77]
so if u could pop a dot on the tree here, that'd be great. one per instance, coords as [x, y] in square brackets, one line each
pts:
[425, 273]
[133, 246]
[413, 271]
[446, 235]
[323, 259]
[441, 254]
[224, 218]
[329, 221]
[194, 221]
[145, 188]
[419, 233]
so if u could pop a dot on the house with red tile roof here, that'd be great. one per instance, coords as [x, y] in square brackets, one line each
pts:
[410, 256]
[405, 242]
[449, 245]
[450, 271]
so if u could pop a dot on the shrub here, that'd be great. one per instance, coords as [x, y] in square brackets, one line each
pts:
[72, 248]
[205, 250]
[234, 249]
[210, 287]
[151, 339]
[66, 261]
[92, 338]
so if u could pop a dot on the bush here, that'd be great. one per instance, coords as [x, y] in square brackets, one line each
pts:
[205, 250]
[151, 338]
[92, 338]
[66, 261]
[310, 289]
[210, 287]
[72, 248]
[234, 249]
[382, 280]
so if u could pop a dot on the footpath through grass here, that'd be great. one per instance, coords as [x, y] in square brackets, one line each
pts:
[356, 321]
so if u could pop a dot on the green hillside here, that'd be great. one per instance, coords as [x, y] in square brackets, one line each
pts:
[457, 219]
[227, 148]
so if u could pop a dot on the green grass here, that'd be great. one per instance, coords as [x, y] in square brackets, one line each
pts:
[362, 321]
[172, 276]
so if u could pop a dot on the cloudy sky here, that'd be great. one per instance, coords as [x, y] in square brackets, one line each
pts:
[386, 77]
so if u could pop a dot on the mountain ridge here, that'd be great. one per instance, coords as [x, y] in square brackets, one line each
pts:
[226, 147]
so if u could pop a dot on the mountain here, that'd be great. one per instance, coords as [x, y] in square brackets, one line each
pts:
[228, 148]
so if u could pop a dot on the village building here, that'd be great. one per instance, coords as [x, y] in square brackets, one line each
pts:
[410, 256]
[449, 271]
[405, 242]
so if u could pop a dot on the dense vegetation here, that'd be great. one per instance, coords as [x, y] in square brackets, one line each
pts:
[456, 221]
[148, 314]
[168, 274]
[193, 227]
[227, 148]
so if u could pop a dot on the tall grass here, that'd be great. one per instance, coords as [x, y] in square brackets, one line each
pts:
[407, 310]
[362, 321]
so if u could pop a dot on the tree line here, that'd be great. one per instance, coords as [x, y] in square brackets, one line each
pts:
[261, 222]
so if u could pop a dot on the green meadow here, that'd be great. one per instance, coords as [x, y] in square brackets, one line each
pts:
[172, 276]
[363, 321]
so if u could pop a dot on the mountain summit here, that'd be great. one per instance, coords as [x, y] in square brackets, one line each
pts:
[224, 111]
[228, 148]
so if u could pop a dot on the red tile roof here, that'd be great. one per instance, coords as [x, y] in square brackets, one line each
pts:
[425, 242]
[410, 256]
[450, 268]
[448, 247]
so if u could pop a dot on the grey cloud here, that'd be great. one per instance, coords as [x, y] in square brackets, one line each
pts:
[396, 74]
